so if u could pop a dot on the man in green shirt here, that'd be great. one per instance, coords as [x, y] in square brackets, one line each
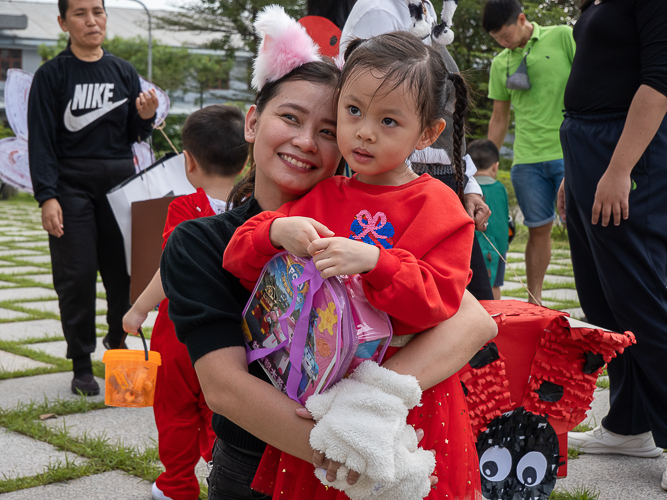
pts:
[545, 54]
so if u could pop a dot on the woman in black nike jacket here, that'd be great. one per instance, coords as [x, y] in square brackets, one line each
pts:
[85, 110]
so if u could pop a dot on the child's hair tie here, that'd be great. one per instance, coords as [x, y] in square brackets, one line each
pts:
[285, 46]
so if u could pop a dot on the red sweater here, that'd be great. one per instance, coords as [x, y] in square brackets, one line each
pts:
[191, 206]
[187, 207]
[424, 235]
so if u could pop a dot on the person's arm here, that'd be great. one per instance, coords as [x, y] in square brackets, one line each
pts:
[499, 123]
[253, 245]
[42, 125]
[420, 287]
[251, 403]
[435, 355]
[475, 205]
[206, 306]
[646, 113]
[152, 295]
[438, 353]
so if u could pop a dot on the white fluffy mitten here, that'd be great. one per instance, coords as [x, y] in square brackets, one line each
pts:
[361, 422]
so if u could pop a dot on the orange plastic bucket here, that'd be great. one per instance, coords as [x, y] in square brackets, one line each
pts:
[129, 377]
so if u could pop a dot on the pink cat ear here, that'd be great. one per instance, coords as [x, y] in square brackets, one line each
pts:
[285, 46]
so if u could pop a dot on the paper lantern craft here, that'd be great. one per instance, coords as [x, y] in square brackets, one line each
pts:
[526, 389]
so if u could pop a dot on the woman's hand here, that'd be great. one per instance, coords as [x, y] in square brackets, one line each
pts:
[338, 256]
[147, 104]
[560, 201]
[322, 462]
[611, 198]
[52, 217]
[295, 234]
[133, 320]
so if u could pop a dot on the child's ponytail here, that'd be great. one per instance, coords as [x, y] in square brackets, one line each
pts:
[458, 137]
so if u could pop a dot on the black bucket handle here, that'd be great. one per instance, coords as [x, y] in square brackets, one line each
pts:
[143, 339]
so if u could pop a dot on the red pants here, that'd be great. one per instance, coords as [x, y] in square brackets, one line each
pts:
[183, 419]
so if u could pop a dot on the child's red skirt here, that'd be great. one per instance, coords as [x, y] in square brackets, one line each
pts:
[444, 418]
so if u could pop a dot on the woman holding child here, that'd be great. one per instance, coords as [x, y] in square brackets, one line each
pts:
[292, 131]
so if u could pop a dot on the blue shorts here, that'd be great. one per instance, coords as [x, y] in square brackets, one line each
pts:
[500, 275]
[536, 186]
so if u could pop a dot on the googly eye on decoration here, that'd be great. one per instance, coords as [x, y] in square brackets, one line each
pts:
[531, 468]
[496, 463]
[519, 457]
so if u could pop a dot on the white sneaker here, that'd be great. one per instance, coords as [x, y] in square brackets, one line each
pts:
[157, 493]
[600, 441]
[664, 481]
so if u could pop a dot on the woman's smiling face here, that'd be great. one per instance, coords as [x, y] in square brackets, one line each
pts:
[294, 141]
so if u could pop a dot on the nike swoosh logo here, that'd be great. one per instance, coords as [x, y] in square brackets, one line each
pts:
[76, 123]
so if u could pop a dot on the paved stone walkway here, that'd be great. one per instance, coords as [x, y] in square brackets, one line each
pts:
[97, 452]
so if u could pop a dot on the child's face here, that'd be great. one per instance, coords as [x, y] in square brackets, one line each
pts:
[377, 130]
[294, 140]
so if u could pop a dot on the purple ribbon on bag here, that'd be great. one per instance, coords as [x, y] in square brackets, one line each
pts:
[298, 346]
[298, 341]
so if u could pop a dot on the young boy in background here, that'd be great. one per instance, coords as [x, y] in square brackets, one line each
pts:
[485, 155]
[215, 153]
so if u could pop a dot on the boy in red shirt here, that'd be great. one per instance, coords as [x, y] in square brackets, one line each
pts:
[215, 153]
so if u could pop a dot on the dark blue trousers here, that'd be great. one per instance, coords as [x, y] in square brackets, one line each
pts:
[621, 271]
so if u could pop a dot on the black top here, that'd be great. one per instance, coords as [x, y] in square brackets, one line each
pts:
[80, 109]
[621, 44]
[206, 302]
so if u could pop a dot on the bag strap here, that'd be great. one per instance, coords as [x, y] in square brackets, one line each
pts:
[311, 274]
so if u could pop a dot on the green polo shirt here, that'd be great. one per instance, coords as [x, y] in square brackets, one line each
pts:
[538, 111]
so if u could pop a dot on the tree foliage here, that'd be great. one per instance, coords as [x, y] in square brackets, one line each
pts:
[174, 68]
[231, 19]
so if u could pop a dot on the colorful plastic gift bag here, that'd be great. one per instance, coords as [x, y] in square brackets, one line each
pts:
[130, 375]
[294, 314]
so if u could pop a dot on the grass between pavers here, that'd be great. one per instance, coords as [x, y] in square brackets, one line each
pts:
[33, 314]
[100, 454]
[581, 492]
[603, 383]
[23, 280]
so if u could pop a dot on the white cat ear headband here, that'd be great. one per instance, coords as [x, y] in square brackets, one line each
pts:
[285, 46]
[442, 33]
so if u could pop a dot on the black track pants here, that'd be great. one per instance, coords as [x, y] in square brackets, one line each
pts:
[621, 271]
[91, 242]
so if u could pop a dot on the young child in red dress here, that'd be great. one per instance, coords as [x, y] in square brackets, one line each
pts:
[215, 153]
[408, 237]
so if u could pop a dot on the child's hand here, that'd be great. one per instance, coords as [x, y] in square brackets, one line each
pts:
[133, 320]
[337, 256]
[294, 234]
